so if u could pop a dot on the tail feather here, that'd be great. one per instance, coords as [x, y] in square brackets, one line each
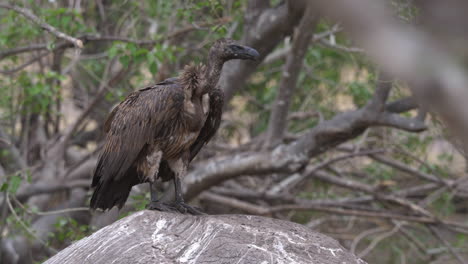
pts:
[110, 193]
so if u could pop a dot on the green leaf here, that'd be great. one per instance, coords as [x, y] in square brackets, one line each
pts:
[131, 47]
[125, 60]
[153, 67]
[51, 46]
[66, 20]
[140, 55]
[361, 95]
[15, 182]
[4, 187]
[28, 176]
[115, 50]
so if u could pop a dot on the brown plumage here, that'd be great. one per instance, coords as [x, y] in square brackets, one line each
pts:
[158, 130]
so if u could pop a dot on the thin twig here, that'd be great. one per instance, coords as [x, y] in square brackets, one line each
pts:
[29, 15]
[363, 235]
[26, 64]
[340, 47]
[234, 203]
[54, 212]
[18, 160]
[378, 239]
[28, 230]
[89, 38]
[436, 233]
[100, 93]
[420, 247]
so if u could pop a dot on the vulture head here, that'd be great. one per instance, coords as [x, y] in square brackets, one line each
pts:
[227, 49]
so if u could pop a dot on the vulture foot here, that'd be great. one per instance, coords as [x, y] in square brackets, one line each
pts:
[160, 206]
[187, 209]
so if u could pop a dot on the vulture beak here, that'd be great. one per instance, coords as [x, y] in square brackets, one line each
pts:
[244, 52]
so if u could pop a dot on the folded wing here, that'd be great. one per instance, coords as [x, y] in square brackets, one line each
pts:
[135, 123]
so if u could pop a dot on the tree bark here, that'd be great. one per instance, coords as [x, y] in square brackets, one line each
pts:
[156, 237]
[265, 29]
[278, 120]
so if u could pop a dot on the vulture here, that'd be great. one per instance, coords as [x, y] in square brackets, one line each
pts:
[156, 131]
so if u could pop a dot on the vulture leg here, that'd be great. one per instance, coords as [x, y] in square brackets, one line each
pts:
[180, 204]
[156, 204]
[152, 163]
[180, 168]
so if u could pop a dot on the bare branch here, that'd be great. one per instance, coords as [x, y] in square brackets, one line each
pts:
[436, 78]
[447, 244]
[342, 211]
[382, 91]
[397, 121]
[18, 50]
[365, 234]
[20, 163]
[92, 38]
[103, 88]
[28, 230]
[402, 105]
[293, 156]
[53, 212]
[234, 203]
[403, 167]
[369, 189]
[284, 51]
[329, 44]
[278, 119]
[26, 64]
[48, 188]
[379, 238]
[263, 31]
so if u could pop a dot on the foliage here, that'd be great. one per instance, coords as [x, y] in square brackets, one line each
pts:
[332, 81]
[68, 230]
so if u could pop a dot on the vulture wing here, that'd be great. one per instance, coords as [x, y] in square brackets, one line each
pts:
[142, 117]
[212, 122]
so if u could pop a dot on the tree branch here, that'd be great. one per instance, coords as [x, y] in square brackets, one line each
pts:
[436, 78]
[29, 15]
[19, 162]
[403, 167]
[278, 119]
[18, 50]
[437, 234]
[93, 38]
[290, 157]
[26, 64]
[263, 31]
[401, 106]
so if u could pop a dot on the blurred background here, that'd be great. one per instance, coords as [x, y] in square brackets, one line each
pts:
[353, 123]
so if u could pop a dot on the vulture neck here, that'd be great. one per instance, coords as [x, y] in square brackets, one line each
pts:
[212, 73]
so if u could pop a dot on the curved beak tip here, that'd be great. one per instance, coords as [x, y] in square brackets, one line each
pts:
[245, 52]
[253, 53]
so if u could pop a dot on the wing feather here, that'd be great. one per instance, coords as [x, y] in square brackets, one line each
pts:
[212, 122]
[136, 122]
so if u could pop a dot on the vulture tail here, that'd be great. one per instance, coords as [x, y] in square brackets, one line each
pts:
[110, 193]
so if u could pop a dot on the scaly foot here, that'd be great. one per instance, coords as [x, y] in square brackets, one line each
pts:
[185, 208]
[160, 206]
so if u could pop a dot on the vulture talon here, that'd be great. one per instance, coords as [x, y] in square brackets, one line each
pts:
[187, 209]
[160, 206]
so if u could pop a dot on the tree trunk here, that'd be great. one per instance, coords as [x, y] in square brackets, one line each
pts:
[156, 237]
